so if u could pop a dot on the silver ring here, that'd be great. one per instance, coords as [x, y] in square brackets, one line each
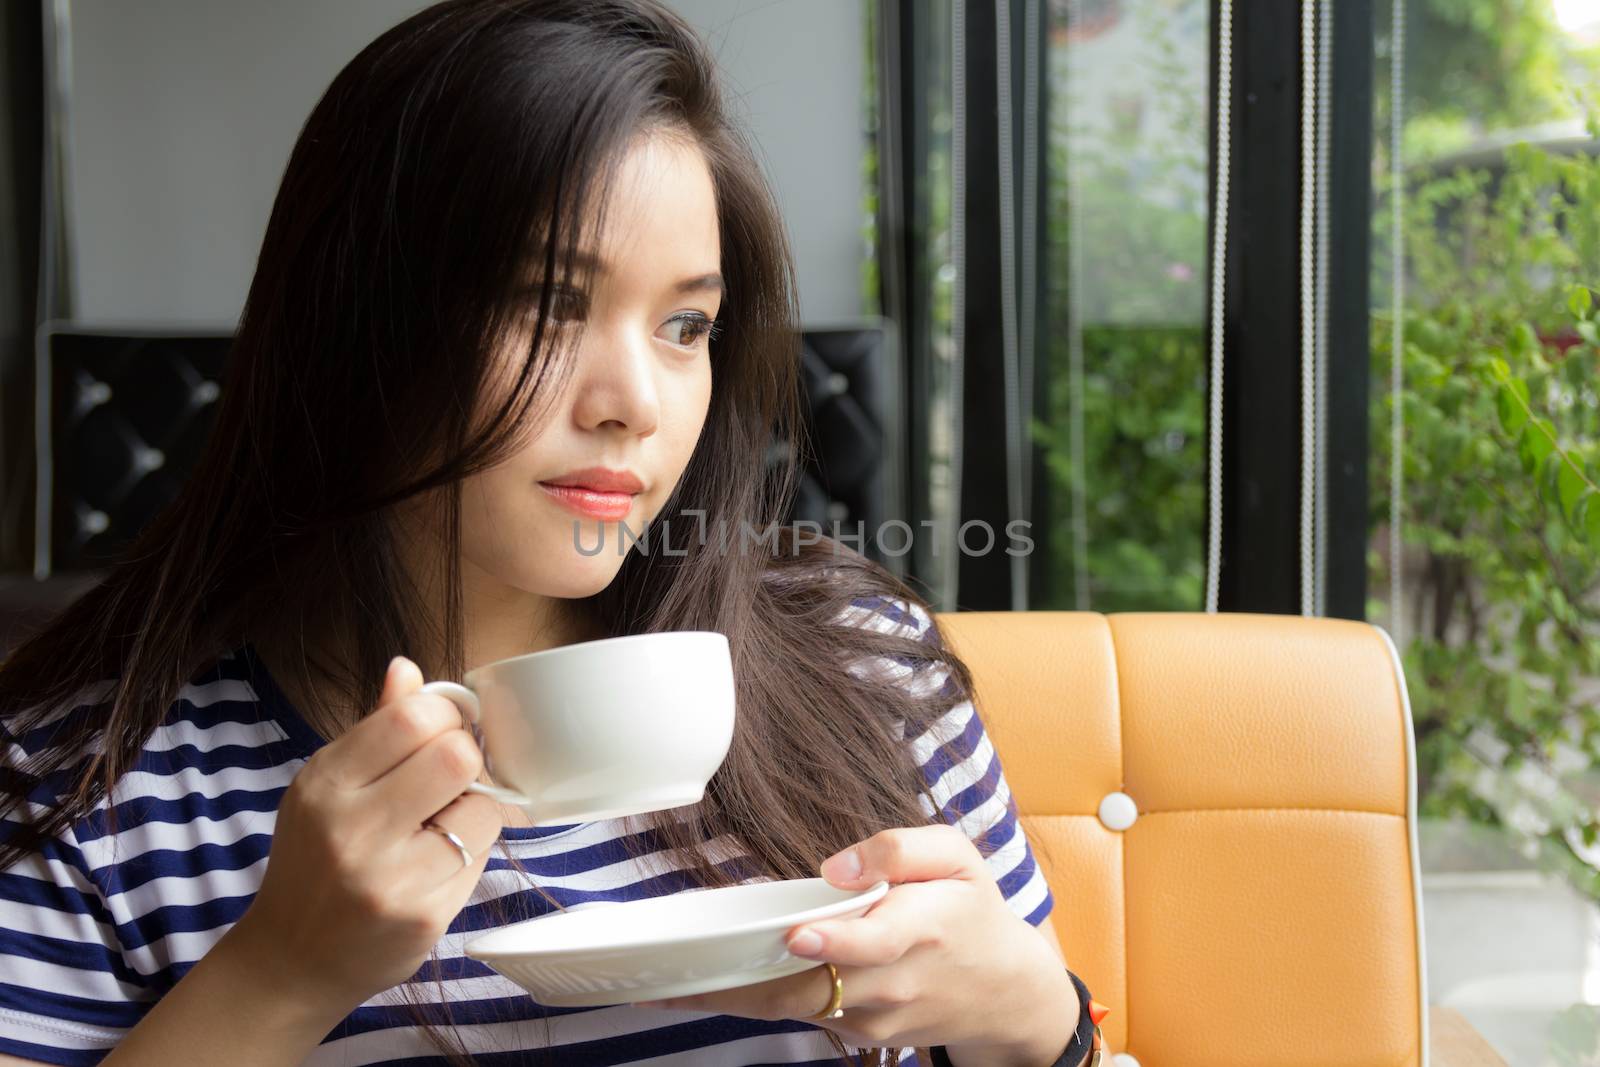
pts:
[466, 857]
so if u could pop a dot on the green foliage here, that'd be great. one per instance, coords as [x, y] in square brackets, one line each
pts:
[1479, 65]
[871, 286]
[1501, 460]
[1144, 447]
[1575, 1036]
[1501, 516]
[1140, 188]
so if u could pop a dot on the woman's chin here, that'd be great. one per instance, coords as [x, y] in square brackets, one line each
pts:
[583, 576]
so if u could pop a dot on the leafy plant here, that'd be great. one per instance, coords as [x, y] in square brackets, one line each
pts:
[1501, 407]
[1139, 181]
[1501, 516]
[1476, 66]
[1144, 445]
[1575, 1036]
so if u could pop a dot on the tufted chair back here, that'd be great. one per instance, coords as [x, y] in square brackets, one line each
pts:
[1225, 808]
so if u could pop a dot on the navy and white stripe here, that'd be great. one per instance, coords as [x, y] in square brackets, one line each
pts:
[97, 924]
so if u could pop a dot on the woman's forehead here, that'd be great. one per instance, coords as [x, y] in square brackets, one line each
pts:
[663, 197]
[663, 203]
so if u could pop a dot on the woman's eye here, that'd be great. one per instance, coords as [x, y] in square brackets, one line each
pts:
[693, 328]
[569, 305]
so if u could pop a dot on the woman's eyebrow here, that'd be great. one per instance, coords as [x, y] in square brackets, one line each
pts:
[704, 283]
[700, 283]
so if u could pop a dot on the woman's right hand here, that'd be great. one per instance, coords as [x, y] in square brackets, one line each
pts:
[357, 891]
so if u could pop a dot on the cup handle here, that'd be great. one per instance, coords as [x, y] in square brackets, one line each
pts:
[467, 701]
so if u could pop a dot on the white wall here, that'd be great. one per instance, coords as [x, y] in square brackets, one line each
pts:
[797, 64]
[184, 111]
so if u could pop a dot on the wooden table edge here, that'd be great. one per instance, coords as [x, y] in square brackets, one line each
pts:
[1454, 1043]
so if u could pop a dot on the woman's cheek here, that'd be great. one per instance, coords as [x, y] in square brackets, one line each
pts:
[696, 405]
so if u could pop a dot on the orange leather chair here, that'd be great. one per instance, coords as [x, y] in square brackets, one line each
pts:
[1257, 904]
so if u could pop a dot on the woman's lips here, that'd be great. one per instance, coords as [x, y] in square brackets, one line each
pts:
[605, 505]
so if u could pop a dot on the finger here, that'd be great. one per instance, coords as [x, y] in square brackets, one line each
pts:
[403, 677]
[797, 996]
[908, 916]
[475, 820]
[384, 739]
[428, 779]
[911, 854]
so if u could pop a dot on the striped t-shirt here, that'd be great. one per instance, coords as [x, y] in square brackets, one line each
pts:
[96, 926]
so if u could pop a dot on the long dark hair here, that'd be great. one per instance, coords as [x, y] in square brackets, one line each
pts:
[442, 166]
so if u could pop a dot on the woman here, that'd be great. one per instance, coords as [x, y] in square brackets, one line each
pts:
[220, 778]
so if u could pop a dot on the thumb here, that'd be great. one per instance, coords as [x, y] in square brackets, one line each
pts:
[402, 678]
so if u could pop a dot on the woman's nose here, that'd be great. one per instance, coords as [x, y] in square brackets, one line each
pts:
[616, 383]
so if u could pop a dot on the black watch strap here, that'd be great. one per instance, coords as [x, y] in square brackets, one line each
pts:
[1078, 1048]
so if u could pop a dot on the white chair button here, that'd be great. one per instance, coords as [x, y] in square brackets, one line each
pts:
[1123, 1059]
[1118, 812]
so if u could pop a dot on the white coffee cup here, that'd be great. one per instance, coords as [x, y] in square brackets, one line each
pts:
[601, 729]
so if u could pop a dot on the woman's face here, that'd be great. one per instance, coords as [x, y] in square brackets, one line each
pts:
[626, 419]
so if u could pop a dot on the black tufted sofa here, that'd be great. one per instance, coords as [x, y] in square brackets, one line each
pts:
[128, 412]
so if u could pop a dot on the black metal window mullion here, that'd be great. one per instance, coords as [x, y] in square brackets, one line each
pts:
[985, 577]
[904, 33]
[22, 72]
[1261, 427]
[1042, 510]
[1261, 317]
[1349, 307]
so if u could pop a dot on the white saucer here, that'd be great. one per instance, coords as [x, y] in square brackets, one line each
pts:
[673, 946]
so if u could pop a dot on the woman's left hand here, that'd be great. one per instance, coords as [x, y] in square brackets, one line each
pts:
[940, 960]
